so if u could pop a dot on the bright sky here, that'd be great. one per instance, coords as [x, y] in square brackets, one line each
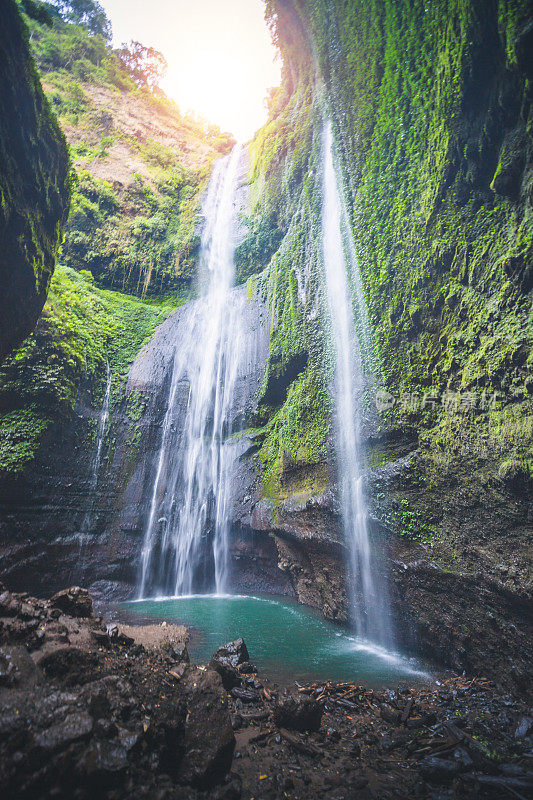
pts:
[221, 59]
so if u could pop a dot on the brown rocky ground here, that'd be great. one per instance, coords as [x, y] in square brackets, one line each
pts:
[87, 712]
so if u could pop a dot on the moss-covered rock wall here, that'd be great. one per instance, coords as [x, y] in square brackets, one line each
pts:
[431, 111]
[34, 185]
[431, 105]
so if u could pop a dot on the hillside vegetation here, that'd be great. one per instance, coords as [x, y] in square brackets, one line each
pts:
[138, 170]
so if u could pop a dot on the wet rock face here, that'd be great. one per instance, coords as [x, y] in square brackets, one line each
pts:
[33, 184]
[43, 510]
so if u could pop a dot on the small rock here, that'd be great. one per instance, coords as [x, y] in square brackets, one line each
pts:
[246, 695]
[128, 739]
[462, 759]
[102, 638]
[389, 714]
[236, 722]
[103, 761]
[523, 727]
[9, 604]
[75, 601]
[180, 653]
[299, 713]
[6, 671]
[438, 769]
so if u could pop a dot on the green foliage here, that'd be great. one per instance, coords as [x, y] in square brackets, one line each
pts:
[137, 235]
[294, 408]
[82, 328]
[433, 162]
[34, 184]
[254, 253]
[410, 520]
[145, 65]
[88, 13]
[20, 436]
[423, 139]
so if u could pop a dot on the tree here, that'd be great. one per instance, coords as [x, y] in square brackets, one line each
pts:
[88, 13]
[37, 11]
[144, 64]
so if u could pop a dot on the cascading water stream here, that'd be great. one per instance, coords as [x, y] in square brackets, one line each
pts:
[349, 337]
[97, 457]
[102, 424]
[191, 491]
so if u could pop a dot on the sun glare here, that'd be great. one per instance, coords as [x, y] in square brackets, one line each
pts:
[221, 60]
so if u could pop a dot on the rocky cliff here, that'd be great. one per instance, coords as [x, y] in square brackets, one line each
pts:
[431, 111]
[431, 108]
[34, 186]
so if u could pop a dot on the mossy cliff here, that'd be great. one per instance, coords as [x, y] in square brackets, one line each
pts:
[34, 185]
[431, 109]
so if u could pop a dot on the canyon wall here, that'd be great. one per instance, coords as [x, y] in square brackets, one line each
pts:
[431, 109]
[34, 185]
[431, 112]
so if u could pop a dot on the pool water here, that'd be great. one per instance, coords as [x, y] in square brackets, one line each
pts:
[286, 641]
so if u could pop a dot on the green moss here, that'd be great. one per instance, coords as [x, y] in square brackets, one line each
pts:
[432, 125]
[82, 328]
[410, 520]
[34, 185]
[20, 437]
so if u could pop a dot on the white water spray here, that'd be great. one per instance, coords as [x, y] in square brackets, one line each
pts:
[368, 595]
[192, 488]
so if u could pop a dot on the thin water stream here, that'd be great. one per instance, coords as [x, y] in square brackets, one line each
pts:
[103, 417]
[368, 586]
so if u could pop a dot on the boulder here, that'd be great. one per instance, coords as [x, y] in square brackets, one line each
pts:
[17, 667]
[75, 601]
[10, 605]
[225, 661]
[232, 653]
[103, 762]
[298, 713]
[230, 676]
[74, 727]
[209, 738]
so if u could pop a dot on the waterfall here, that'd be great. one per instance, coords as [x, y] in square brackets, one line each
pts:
[103, 417]
[190, 498]
[102, 424]
[350, 335]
